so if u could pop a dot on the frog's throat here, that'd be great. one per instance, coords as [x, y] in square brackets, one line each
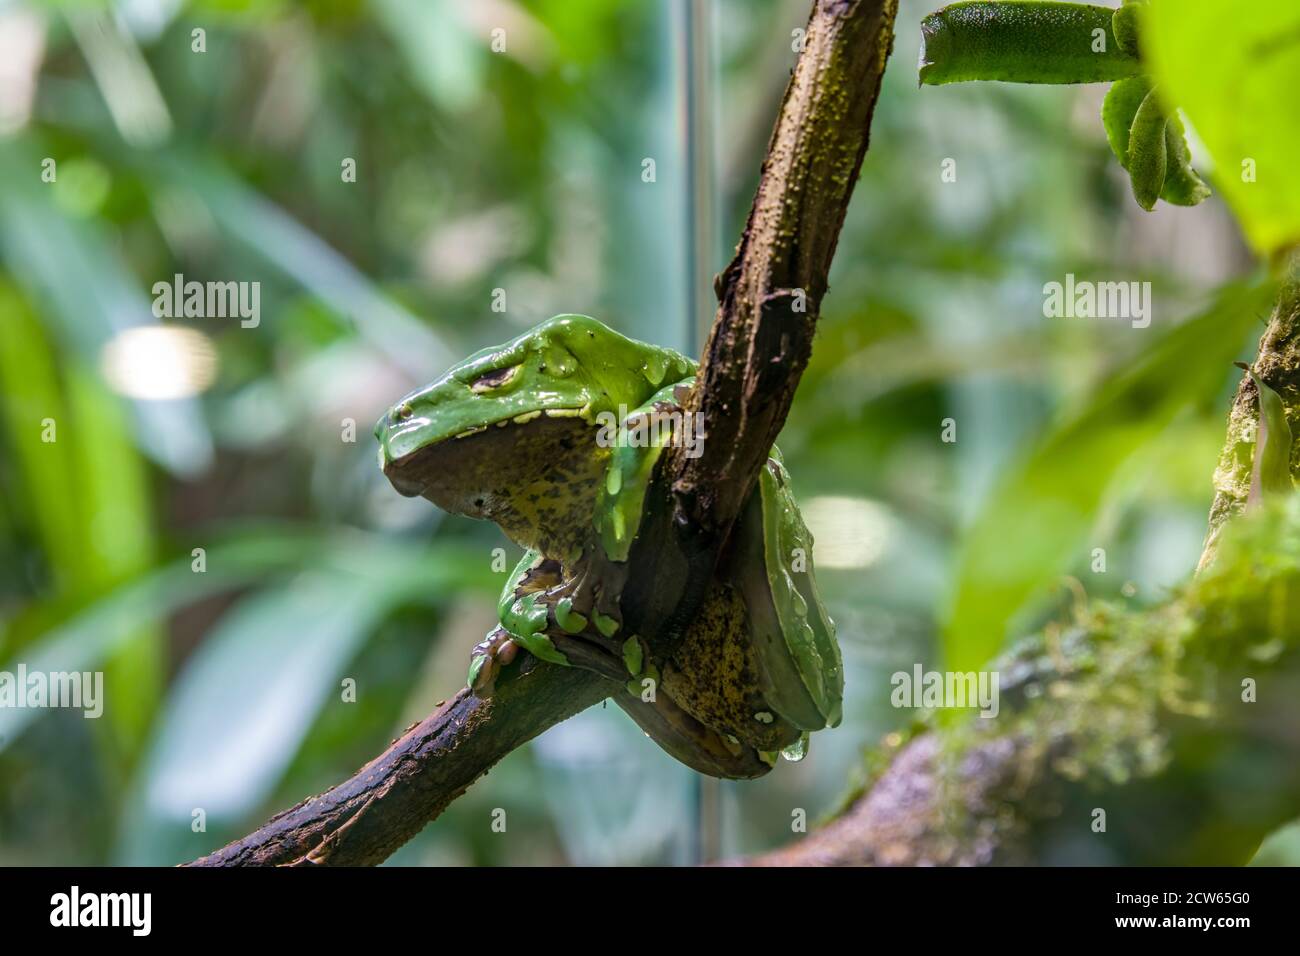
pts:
[538, 480]
[421, 434]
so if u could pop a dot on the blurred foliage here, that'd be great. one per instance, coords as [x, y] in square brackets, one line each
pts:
[1108, 697]
[1236, 76]
[518, 171]
[1066, 475]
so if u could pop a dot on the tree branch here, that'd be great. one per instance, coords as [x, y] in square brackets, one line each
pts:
[770, 295]
[389, 800]
[762, 335]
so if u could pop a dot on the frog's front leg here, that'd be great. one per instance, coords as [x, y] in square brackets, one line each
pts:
[540, 592]
[590, 592]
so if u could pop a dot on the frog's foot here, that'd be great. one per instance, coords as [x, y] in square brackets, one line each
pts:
[564, 614]
[487, 659]
[574, 588]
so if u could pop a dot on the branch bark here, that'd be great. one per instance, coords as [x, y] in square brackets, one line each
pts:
[363, 820]
[770, 295]
[762, 335]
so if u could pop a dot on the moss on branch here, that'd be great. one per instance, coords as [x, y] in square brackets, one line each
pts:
[1152, 717]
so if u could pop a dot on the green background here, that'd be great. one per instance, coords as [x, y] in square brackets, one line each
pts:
[522, 171]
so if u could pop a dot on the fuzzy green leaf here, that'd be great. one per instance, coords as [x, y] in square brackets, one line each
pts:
[1022, 42]
[1234, 71]
[1034, 524]
[1119, 109]
[1147, 152]
[1183, 187]
[1124, 24]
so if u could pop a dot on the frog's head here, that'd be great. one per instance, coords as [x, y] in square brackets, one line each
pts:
[517, 416]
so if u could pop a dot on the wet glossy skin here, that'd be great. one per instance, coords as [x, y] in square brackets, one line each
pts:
[510, 435]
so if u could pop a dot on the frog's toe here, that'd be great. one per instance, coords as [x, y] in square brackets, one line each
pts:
[487, 659]
[574, 588]
[543, 575]
[482, 674]
[569, 619]
[608, 624]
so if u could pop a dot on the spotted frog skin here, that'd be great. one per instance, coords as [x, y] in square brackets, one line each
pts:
[554, 436]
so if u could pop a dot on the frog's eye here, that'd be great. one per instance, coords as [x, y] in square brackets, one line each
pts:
[495, 379]
[402, 412]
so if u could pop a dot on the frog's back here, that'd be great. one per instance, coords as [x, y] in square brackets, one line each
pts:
[805, 625]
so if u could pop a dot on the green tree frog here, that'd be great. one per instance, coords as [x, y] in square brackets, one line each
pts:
[554, 436]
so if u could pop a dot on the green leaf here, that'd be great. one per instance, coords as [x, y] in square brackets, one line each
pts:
[1147, 152]
[237, 713]
[237, 559]
[101, 629]
[46, 470]
[88, 294]
[1234, 70]
[1119, 109]
[278, 238]
[1022, 42]
[1183, 187]
[1125, 24]
[85, 496]
[1038, 519]
[113, 487]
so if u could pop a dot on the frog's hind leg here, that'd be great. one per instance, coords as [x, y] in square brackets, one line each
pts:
[689, 741]
[535, 573]
[714, 675]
